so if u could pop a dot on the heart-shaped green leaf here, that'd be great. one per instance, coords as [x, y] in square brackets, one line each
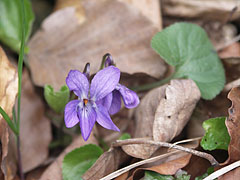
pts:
[187, 47]
[11, 22]
[78, 161]
[56, 100]
[216, 135]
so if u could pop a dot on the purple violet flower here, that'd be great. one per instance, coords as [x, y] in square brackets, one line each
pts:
[89, 106]
[113, 100]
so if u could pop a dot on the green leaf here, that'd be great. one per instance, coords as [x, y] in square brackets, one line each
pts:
[11, 22]
[78, 161]
[216, 135]
[9, 121]
[187, 47]
[125, 136]
[56, 100]
[150, 175]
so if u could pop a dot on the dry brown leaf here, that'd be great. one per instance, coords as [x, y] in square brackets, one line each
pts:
[232, 51]
[197, 166]
[8, 92]
[231, 175]
[150, 9]
[54, 171]
[35, 128]
[167, 168]
[210, 10]
[233, 126]
[164, 112]
[174, 111]
[106, 164]
[142, 151]
[146, 110]
[111, 26]
[171, 167]
[80, 12]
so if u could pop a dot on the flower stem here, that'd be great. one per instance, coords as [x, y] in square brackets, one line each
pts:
[19, 159]
[20, 68]
[152, 85]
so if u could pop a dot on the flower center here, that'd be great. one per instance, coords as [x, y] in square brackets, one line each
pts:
[85, 101]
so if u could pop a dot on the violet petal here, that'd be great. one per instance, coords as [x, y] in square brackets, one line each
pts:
[116, 102]
[104, 82]
[78, 83]
[70, 113]
[87, 119]
[130, 98]
[104, 119]
[106, 101]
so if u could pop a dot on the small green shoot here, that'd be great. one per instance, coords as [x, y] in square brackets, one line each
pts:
[56, 100]
[216, 136]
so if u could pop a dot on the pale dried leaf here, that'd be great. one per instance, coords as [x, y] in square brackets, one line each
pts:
[150, 9]
[145, 113]
[174, 111]
[8, 92]
[35, 128]
[142, 151]
[210, 10]
[54, 171]
[111, 26]
[80, 12]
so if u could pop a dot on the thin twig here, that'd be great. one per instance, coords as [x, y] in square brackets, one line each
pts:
[222, 171]
[185, 141]
[204, 155]
[146, 161]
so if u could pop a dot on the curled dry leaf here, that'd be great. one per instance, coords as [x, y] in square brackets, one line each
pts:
[174, 111]
[8, 92]
[106, 164]
[164, 112]
[210, 10]
[233, 126]
[35, 128]
[54, 171]
[110, 26]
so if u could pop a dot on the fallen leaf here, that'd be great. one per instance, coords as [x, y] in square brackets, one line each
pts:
[80, 12]
[174, 111]
[50, 57]
[233, 126]
[163, 113]
[8, 92]
[197, 166]
[232, 51]
[106, 164]
[150, 9]
[167, 168]
[142, 151]
[35, 128]
[210, 10]
[233, 175]
[54, 171]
